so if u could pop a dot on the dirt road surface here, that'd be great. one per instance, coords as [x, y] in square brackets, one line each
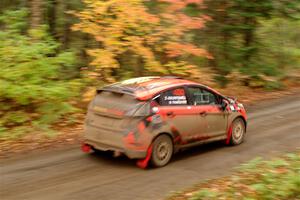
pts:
[274, 127]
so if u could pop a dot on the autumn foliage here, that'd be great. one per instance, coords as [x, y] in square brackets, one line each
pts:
[53, 53]
[128, 34]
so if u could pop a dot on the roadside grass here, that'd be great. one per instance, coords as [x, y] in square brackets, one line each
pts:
[275, 179]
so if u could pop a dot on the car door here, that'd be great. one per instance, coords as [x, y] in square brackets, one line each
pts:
[210, 111]
[179, 115]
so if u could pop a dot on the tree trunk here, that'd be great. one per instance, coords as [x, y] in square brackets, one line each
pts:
[66, 31]
[249, 38]
[36, 13]
[52, 17]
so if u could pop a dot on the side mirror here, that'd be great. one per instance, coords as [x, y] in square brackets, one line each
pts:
[233, 98]
[224, 104]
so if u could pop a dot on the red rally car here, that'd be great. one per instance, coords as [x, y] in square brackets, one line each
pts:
[150, 118]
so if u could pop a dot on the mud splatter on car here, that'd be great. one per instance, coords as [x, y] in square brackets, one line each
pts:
[151, 118]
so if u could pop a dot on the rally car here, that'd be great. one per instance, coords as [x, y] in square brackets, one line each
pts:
[151, 118]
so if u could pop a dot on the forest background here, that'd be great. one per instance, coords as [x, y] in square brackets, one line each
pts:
[53, 53]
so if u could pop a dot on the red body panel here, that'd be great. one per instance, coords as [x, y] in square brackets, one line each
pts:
[186, 123]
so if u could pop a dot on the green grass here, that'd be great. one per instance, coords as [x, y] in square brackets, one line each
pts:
[276, 179]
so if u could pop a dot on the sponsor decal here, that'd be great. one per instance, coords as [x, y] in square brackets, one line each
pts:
[177, 100]
[106, 110]
[177, 97]
[100, 109]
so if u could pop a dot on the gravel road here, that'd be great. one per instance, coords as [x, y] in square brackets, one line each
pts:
[274, 127]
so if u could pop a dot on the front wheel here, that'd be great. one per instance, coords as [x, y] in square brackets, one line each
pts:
[162, 151]
[238, 132]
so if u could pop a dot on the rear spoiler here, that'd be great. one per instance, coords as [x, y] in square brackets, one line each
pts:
[116, 90]
[120, 90]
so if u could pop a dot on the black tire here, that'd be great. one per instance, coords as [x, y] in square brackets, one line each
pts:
[162, 151]
[238, 131]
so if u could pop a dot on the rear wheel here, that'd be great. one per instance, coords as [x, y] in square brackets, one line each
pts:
[162, 151]
[238, 132]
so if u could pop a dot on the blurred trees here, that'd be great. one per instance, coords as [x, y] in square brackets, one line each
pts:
[226, 30]
[130, 39]
[280, 54]
[36, 13]
[42, 60]
[233, 36]
[34, 82]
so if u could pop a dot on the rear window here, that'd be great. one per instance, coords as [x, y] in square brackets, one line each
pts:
[117, 103]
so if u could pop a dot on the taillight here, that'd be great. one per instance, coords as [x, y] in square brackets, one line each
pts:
[86, 148]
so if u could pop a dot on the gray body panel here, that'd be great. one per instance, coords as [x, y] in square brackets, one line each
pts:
[118, 122]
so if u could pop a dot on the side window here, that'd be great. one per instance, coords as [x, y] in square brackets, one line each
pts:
[201, 96]
[173, 97]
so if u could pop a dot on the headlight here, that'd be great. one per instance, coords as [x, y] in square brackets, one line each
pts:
[240, 105]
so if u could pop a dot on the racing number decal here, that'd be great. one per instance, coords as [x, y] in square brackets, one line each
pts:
[178, 92]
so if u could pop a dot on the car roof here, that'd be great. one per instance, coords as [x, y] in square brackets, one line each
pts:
[144, 88]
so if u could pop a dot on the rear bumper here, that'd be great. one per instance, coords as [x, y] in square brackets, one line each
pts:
[107, 141]
[132, 154]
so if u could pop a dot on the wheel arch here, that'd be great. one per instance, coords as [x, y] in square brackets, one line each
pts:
[244, 120]
[229, 131]
[163, 133]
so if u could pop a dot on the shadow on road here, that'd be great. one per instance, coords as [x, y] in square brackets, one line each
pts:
[106, 157]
